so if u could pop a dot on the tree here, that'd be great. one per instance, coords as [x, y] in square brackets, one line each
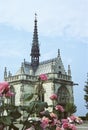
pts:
[70, 108]
[86, 93]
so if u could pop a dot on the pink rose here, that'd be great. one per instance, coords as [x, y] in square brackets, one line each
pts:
[53, 115]
[59, 108]
[45, 122]
[9, 94]
[43, 77]
[64, 121]
[53, 97]
[4, 87]
[5, 90]
[58, 128]
[65, 125]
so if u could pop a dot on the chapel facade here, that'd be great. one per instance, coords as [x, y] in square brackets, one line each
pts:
[26, 78]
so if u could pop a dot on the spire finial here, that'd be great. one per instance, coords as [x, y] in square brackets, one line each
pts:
[5, 73]
[69, 70]
[58, 52]
[35, 16]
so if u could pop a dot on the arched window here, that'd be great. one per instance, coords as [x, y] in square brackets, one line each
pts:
[59, 72]
[63, 95]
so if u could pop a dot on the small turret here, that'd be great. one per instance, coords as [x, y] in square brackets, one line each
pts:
[5, 73]
[22, 69]
[9, 74]
[58, 52]
[69, 70]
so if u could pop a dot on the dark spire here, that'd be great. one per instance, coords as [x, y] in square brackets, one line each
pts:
[35, 53]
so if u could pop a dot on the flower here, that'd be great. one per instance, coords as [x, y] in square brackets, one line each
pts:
[44, 122]
[45, 113]
[73, 127]
[53, 115]
[43, 77]
[70, 120]
[5, 89]
[69, 126]
[64, 121]
[9, 94]
[78, 120]
[72, 117]
[53, 97]
[65, 125]
[58, 128]
[59, 108]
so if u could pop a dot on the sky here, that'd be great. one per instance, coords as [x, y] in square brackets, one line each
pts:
[62, 24]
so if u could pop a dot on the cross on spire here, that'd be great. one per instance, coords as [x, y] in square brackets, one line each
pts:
[35, 16]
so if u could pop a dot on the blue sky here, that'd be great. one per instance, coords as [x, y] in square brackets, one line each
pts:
[62, 24]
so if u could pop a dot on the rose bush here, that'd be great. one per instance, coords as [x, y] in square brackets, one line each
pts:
[44, 119]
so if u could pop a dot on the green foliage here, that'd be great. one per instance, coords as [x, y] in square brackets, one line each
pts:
[12, 113]
[70, 108]
[1, 108]
[52, 128]
[86, 89]
[40, 106]
[86, 94]
[28, 97]
[87, 116]
[37, 125]
[15, 114]
[6, 120]
[83, 118]
[35, 107]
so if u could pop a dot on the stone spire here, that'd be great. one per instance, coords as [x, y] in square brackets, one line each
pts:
[69, 70]
[22, 69]
[35, 52]
[5, 73]
[58, 52]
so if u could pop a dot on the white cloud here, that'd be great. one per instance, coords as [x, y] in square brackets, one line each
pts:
[7, 53]
[53, 16]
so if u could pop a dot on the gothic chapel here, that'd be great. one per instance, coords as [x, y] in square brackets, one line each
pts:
[26, 78]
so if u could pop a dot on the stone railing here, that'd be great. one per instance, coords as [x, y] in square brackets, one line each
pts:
[35, 78]
[21, 77]
[59, 76]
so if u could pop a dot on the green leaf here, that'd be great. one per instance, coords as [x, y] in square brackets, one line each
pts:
[31, 108]
[24, 108]
[28, 97]
[15, 114]
[27, 124]
[40, 106]
[1, 108]
[6, 120]
[36, 107]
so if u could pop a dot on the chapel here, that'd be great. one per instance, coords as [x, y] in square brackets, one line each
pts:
[25, 80]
